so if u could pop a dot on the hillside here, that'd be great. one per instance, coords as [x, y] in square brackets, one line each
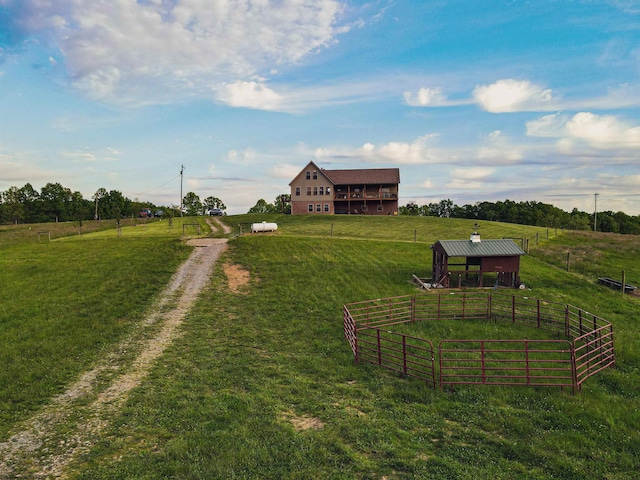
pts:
[261, 383]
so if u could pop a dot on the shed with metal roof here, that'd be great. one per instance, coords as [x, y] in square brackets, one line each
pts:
[478, 257]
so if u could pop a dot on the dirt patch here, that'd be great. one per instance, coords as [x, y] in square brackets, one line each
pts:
[219, 224]
[237, 277]
[302, 423]
[39, 449]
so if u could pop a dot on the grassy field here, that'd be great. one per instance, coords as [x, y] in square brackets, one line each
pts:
[263, 385]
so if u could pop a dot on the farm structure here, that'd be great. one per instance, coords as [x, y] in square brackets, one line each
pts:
[358, 191]
[582, 347]
[480, 257]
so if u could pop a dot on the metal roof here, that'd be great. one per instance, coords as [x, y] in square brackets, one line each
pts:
[485, 248]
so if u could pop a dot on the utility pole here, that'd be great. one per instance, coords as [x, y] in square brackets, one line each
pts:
[181, 172]
[595, 211]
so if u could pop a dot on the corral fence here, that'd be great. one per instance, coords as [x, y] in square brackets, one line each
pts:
[583, 347]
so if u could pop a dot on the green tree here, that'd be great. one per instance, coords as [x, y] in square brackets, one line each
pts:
[13, 206]
[283, 203]
[56, 200]
[192, 205]
[79, 208]
[210, 203]
[262, 206]
[31, 203]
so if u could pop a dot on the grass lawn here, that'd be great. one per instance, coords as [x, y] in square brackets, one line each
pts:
[262, 383]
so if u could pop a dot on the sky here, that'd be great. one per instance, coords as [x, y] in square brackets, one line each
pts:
[473, 100]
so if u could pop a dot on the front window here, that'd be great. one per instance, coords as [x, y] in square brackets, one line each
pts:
[318, 208]
[328, 190]
[308, 191]
[321, 191]
[315, 175]
[297, 191]
[326, 207]
[311, 208]
[308, 175]
[315, 190]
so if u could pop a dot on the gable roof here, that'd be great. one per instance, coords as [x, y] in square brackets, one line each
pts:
[485, 248]
[369, 175]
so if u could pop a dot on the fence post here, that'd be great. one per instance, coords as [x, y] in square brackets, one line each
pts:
[574, 369]
[484, 378]
[404, 354]
[624, 281]
[413, 309]
[526, 356]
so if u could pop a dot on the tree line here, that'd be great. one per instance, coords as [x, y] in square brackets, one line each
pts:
[56, 203]
[529, 213]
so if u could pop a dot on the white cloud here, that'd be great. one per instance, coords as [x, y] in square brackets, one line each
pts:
[420, 151]
[605, 132]
[547, 125]
[250, 95]
[426, 97]
[243, 157]
[284, 170]
[498, 150]
[510, 95]
[469, 178]
[128, 51]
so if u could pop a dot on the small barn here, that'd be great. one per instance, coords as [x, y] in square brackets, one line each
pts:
[466, 262]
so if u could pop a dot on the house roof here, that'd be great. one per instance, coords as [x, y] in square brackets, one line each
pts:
[364, 176]
[485, 248]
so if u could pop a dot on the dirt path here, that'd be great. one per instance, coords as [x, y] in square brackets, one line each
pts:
[73, 421]
[225, 228]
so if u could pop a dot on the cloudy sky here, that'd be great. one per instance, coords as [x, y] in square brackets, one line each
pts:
[473, 100]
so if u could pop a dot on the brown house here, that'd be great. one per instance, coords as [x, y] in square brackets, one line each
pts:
[366, 191]
[472, 258]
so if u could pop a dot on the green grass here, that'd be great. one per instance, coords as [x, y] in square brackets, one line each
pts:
[65, 303]
[223, 400]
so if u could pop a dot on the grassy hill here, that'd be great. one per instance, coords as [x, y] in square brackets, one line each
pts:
[263, 385]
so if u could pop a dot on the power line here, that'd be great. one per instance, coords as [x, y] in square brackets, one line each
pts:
[159, 186]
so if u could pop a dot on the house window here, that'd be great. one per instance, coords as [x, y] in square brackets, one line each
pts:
[308, 175]
[311, 208]
[315, 190]
[318, 208]
[328, 190]
[308, 191]
[315, 175]
[297, 191]
[321, 191]
[326, 207]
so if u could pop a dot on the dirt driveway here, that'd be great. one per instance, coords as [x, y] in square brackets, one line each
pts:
[74, 420]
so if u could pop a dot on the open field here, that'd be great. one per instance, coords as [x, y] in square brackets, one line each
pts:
[262, 384]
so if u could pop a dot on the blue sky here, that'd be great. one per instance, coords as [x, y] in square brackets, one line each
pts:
[473, 100]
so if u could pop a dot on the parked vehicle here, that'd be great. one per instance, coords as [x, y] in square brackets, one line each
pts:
[145, 213]
[216, 212]
[158, 213]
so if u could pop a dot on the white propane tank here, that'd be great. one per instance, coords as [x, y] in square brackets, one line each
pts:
[264, 227]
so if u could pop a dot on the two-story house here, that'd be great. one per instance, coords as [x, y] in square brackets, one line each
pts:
[371, 191]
